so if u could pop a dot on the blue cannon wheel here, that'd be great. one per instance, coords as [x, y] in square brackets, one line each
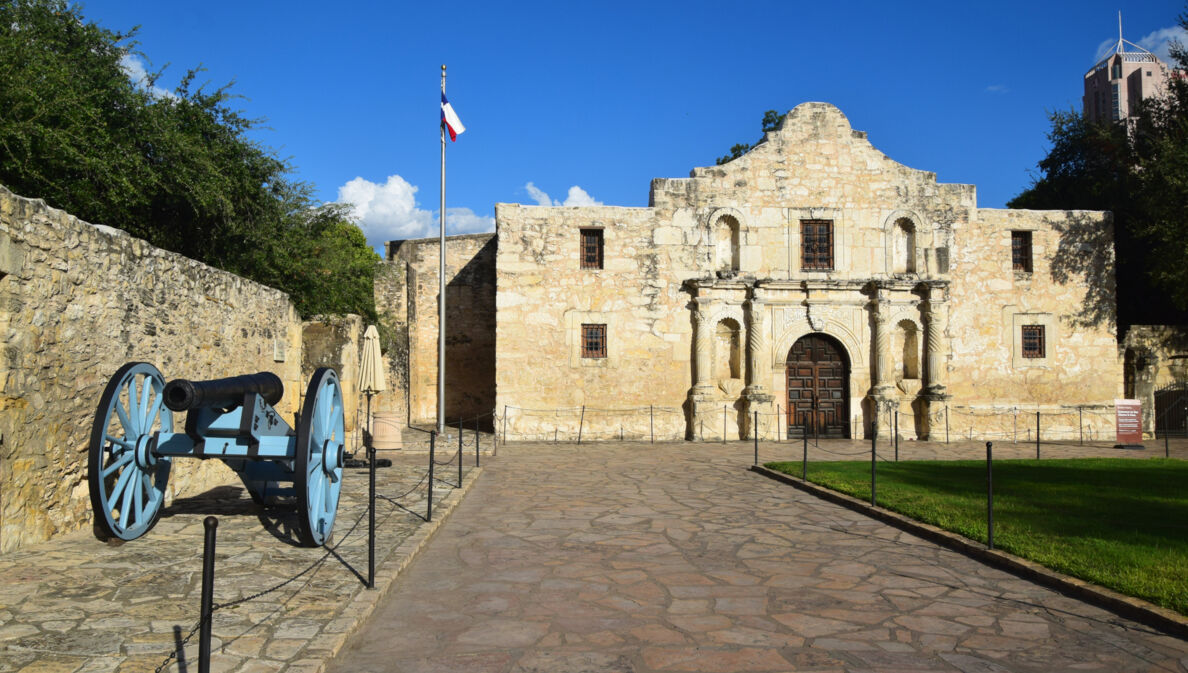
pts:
[321, 442]
[127, 482]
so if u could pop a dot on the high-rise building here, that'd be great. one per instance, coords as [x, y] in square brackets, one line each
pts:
[1114, 87]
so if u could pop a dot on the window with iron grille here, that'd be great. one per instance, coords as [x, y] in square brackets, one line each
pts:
[816, 244]
[591, 252]
[1021, 251]
[1033, 341]
[593, 341]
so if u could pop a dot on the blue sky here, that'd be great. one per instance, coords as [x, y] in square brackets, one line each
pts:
[587, 102]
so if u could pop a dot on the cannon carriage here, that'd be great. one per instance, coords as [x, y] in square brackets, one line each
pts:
[134, 440]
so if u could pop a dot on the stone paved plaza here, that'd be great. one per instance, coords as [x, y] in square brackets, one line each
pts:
[77, 605]
[672, 557]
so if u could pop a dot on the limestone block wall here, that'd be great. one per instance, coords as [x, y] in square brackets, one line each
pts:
[1069, 292]
[391, 304]
[544, 298]
[76, 302]
[335, 342]
[407, 290]
[1156, 361]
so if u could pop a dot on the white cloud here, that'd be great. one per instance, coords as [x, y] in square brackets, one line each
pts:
[135, 70]
[997, 88]
[576, 197]
[389, 212]
[1159, 42]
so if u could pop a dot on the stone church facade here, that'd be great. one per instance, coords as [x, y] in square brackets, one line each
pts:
[811, 283]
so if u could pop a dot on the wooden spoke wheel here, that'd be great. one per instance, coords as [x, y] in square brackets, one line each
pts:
[321, 442]
[126, 480]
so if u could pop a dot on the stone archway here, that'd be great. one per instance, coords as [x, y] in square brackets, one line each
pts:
[818, 374]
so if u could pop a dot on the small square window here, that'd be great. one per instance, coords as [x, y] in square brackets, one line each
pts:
[1033, 341]
[593, 341]
[1021, 251]
[591, 252]
[816, 245]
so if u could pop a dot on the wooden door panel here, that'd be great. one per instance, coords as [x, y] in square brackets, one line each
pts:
[818, 382]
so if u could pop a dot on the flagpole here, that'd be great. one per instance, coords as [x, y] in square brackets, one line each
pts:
[441, 283]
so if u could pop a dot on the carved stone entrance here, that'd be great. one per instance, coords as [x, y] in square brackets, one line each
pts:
[819, 386]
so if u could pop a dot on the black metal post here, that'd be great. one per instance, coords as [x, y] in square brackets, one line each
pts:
[211, 524]
[1037, 435]
[370, 517]
[873, 455]
[652, 423]
[897, 435]
[723, 423]
[946, 424]
[432, 447]
[755, 434]
[804, 460]
[459, 453]
[1081, 424]
[989, 495]
[581, 422]
[1166, 448]
[779, 415]
[476, 441]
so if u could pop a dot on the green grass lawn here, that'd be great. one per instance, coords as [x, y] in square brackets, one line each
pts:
[1120, 523]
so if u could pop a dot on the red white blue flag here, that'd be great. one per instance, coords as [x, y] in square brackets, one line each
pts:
[449, 118]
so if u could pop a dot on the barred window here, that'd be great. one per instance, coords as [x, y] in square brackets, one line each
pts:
[593, 341]
[1033, 341]
[591, 252]
[816, 244]
[1021, 251]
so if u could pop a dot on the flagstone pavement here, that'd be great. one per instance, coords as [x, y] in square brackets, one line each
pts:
[635, 557]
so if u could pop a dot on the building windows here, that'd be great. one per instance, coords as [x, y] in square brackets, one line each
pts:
[1033, 341]
[816, 245]
[1021, 251]
[593, 341]
[591, 249]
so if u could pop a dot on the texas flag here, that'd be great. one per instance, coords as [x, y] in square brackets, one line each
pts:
[450, 119]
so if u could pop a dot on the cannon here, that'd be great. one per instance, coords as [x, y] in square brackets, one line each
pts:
[133, 443]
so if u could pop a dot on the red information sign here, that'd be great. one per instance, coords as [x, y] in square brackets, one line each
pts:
[1128, 416]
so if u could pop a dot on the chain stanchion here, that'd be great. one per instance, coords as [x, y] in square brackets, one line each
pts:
[460, 453]
[989, 495]
[652, 423]
[370, 516]
[476, 441]
[429, 500]
[897, 435]
[1037, 435]
[1081, 425]
[755, 434]
[946, 424]
[873, 456]
[804, 459]
[723, 423]
[211, 525]
[581, 423]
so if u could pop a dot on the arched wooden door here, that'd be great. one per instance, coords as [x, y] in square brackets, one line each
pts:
[819, 386]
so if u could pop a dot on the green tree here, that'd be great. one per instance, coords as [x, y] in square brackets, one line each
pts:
[1137, 169]
[179, 170]
[771, 121]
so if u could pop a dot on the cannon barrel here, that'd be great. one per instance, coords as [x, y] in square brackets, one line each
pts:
[181, 394]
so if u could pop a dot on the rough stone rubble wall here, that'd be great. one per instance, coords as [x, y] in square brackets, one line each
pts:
[406, 297]
[543, 300]
[76, 302]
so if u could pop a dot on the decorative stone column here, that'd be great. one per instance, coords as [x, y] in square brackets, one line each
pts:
[936, 314]
[881, 336]
[759, 400]
[703, 401]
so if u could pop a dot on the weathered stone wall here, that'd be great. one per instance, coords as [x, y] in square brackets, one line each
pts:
[391, 304]
[544, 298]
[407, 290]
[1070, 292]
[1157, 361]
[724, 247]
[76, 302]
[335, 342]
